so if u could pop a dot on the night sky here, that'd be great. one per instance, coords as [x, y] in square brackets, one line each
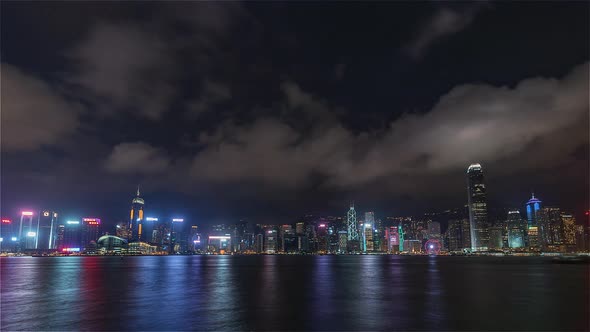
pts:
[274, 110]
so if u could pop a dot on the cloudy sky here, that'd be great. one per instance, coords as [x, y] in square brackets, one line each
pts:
[270, 111]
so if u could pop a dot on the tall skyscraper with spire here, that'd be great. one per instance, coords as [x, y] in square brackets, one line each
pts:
[478, 209]
[352, 224]
[136, 219]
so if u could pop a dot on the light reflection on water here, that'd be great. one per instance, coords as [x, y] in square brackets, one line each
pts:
[349, 293]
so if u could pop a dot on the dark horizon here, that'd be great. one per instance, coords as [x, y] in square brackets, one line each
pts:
[270, 111]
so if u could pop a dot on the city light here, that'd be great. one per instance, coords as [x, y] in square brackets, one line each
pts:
[71, 249]
[367, 225]
[45, 214]
[1, 239]
[219, 237]
[31, 234]
[73, 222]
[151, 219]
[13, 238]
[322, 225]
[91, 219]
[6, 221]
[178, 220]
[27, 213]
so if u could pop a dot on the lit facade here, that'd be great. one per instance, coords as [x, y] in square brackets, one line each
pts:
[352, 224]
[136, 219]
[478, 210]
[27, 232]
[47, 231]
[90, 233]
[516, 230]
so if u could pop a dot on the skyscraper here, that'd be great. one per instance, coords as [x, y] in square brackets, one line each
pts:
[27, 231]
[136, 219]
[90, 232]
[516, 230]
[352, 224]
[533, 213]
[478, 210]
[47, 230]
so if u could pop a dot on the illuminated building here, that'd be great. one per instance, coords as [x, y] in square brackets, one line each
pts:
[300, 228]
[401, 233]
[6, 232]
[533, 207]
[219, 243]
[123, 231]
[533, 237]
[322, 237]
[288, 239]
[496, 241]
[413, 246]
[72, 234]
[177, 241]
[136, 219]
[90, 231]
[478, 211]
[392, 239]
[27, 232]
[59, 240]
[516, 230]
[550, 228]
[47, 227]
[352, 224]
[259, 243]
[580, 238]
[270, 241]
[342, 242]
[109, 244]
[569, 229]
[140, 248]
[454, 235]
[194, 238]
[368, 237]
[434, 230]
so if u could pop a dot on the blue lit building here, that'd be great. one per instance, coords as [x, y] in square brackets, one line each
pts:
[534, 232]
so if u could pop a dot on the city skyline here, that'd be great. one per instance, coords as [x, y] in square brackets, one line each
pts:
[222, 111]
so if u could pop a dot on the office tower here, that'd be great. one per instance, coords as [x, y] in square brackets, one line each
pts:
[59, 239]
[259, 243]
[454, 236]
[434, 230]
[9, 235]
[288, 239]
[136, 219]
[194, 238]
[478, 211]
[402, 235]
[580, 239]
[392, 239]
[370, 218]
[352, 224]
[300, 228]
[368, 237]
[569, 229]
[533, 213]
[550, 227]
[516, 230]
[27, 232]
[177, 240]
[270, 241]
[90, 230]
[219, 243]
[123, 231]
[47, 230]
[72, 238]
[496, 242]
[342, 242]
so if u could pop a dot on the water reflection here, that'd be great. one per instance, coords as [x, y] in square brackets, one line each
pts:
[291, 293]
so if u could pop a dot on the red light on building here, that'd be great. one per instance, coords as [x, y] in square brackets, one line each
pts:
[91, 221]
[6, 221]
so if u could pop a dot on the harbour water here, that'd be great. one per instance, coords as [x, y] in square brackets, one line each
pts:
[344, 293]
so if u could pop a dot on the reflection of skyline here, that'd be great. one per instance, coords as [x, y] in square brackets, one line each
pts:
[290, 293]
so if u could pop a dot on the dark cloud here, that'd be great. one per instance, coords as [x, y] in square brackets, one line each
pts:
[33, 113]
[445, 22]
[471, 123]
[137, 158]
[123, 67]
[212, 94]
